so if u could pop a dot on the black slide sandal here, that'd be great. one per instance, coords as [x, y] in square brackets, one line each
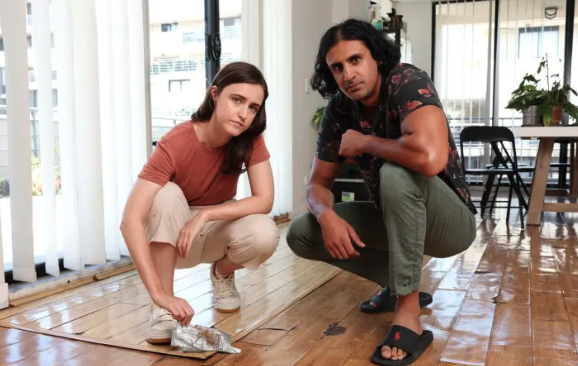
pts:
[405, 339]
[385, 303]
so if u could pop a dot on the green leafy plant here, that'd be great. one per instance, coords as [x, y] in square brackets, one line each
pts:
[550, 101]
[317, 116]
[526, 95]
[556, 95]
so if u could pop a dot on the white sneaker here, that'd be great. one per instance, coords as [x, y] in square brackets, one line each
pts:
[161, 325]
[227, 298]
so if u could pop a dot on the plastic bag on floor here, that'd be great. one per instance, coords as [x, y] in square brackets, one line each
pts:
[197, 338]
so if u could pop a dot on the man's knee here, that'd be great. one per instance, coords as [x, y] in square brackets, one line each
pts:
[299, 234]
[396, 182]
[257, 244]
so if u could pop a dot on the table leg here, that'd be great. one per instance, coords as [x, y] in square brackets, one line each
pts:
[540, 180]
[573, 170]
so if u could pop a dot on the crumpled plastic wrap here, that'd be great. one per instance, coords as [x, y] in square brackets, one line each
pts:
[197, 339]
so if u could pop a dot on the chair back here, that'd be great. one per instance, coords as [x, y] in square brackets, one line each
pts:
[486, 134]
[493, 135]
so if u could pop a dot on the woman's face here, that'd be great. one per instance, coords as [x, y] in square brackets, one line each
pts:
[236, 106]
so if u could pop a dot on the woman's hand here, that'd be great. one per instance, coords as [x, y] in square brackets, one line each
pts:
[179, 308]
[189, 232]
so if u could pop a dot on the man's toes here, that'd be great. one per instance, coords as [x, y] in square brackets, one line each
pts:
[400, 354]
[385, 352]
[394, 353]
[373, 304]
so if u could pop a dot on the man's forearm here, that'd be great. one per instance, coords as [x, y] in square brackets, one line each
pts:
[406, 151]
[320, 200]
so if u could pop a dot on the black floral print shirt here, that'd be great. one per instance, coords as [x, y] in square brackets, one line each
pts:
[409, 89]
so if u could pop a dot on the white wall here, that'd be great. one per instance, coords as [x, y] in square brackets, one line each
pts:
[359, 9]
[419, 30]
[315, 17]
[340, 10]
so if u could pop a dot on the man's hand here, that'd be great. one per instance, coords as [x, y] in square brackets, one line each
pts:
[338, 236]
[189, 232]
[351, 144]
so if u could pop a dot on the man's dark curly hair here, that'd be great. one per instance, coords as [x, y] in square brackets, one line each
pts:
[382, 50]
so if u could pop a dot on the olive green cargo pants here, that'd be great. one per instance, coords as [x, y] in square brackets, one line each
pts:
[419, 215]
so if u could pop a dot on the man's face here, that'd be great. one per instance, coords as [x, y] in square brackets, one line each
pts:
[354, 70]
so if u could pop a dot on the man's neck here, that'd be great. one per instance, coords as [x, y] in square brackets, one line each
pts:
[372, 100]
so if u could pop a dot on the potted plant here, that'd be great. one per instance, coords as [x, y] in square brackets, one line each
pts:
[542, 106]
[526, 99]
[556, 99]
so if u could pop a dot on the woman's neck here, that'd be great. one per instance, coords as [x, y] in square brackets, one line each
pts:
[211, 135]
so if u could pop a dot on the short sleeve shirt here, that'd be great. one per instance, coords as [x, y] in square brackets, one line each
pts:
[181, 158]
[409, 89]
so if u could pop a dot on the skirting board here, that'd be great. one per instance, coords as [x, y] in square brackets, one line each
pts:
[238, 324]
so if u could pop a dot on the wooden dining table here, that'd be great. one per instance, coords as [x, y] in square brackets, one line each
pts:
[547, 136]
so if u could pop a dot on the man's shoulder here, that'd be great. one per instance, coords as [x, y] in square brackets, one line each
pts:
[403, 68]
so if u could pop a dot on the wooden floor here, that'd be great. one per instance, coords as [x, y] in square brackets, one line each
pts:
[508, 300]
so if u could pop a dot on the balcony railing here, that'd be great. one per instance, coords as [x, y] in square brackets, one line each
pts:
[175, 65]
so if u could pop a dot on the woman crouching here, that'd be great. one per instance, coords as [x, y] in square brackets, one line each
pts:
[182, 212]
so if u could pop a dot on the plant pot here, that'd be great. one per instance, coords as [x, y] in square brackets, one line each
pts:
[530, 117]
[557, 115]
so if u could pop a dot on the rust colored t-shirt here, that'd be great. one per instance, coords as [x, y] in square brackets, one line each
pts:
[181, 158]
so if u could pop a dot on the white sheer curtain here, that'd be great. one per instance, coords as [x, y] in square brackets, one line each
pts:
[95, 60]
[105, 114]
[263, 32]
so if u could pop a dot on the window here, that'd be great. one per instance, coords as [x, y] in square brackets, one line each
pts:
[1, 44]
[476, 77]
[178, 86]
[231, 39]
[191, 37]
[534, 42]
[169, 27]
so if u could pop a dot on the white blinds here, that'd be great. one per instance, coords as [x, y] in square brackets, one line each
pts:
[13, 18]
[43, 70]
[94, 60]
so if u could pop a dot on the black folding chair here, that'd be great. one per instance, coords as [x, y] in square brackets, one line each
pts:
[503, 164]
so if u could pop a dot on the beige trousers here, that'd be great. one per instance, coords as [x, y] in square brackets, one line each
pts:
[248, 241]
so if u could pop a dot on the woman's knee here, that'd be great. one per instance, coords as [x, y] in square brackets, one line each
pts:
[257, 244]
[168, 215]
[170, 198]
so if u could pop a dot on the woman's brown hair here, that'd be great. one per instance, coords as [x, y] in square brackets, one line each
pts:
[240, 148]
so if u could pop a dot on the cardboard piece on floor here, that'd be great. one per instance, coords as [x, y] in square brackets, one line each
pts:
[238, 324]
[167, 350]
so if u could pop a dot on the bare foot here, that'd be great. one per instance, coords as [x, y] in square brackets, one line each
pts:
[406, 315]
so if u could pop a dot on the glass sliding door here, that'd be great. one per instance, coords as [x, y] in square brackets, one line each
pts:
[462, 69]
[530, 31]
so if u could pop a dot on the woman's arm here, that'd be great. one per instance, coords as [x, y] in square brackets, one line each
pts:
[260, 202]
[136, 210]
[138, 206]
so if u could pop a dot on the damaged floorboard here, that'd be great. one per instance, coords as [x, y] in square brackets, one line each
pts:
[508, 300]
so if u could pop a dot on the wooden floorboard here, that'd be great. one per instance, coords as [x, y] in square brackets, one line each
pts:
[510, 299]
